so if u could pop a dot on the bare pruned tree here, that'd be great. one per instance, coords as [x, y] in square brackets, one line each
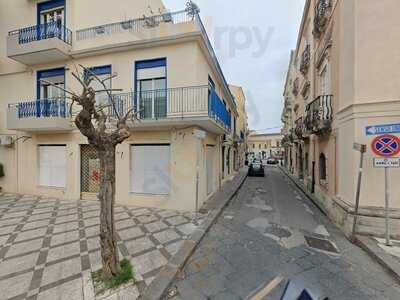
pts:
[93, 122]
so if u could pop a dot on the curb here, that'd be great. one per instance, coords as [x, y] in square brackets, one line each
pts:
[159, 286]
[390, 264]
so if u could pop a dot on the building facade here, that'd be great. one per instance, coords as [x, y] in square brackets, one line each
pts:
[343, 77]
[167, 69]
[266, 145]
[240, 125]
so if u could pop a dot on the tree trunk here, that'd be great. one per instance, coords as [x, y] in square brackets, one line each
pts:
[109, 250]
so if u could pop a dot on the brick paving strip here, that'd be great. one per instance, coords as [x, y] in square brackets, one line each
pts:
[49, 247]
[160, 285]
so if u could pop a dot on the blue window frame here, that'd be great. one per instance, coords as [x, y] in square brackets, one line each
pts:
[151, 87]
[50, 99]
[48, 5]
[102, 72]
[56, 76]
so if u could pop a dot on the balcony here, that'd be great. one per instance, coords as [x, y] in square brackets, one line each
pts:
[174, 108]
[39, 44]
[128, 34]
[321, 16]
[39, 116]
[305, 60]
[319, 115]
[167, 108]
[299, 129]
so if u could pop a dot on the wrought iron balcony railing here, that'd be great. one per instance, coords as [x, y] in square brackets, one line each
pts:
[321, 16]
[319, 115]
[185, 102]
[135, 25]
[178, 103]
[43, 32]
[305, 60]
[44, 108]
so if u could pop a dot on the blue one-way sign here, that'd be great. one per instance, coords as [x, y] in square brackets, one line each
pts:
[382, 129]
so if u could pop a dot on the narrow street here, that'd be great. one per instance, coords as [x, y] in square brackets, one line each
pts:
[261, 235]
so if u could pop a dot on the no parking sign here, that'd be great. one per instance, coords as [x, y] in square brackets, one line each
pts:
[386, 145]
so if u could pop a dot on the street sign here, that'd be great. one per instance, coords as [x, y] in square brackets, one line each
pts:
[390, 162]
[382, 129]
[360, 147]
[386, 145]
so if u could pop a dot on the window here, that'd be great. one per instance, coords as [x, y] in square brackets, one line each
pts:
[52, 165]
[151, 85]
[325, 84]
[322, 167]
[51, 17]
[150, 169]
[102, 73]
[50, 91]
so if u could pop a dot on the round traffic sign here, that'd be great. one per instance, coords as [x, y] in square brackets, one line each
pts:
[386, 145]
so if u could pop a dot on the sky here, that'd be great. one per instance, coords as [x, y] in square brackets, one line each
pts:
[253, 39]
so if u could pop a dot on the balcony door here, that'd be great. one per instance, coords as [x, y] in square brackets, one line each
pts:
[51, 18]
[325, 80]
[49, 93]
[153, 98]
[151, 87]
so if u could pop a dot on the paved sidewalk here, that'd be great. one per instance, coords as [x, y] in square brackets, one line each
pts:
[262, 234]
[48, 247]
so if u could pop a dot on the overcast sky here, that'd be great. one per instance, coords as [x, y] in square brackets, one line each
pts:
[253, 39]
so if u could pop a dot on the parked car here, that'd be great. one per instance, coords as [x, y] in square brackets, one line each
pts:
[272, 161]
[256, 168]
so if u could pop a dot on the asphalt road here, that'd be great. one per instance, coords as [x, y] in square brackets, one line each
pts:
[262, 234]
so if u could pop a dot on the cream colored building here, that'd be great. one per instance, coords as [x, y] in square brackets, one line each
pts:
[165, 66]
[241, 126]
[265, 145]
[343, 76]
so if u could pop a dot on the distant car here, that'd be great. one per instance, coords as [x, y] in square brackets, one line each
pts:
[272, 161]
[256, 168]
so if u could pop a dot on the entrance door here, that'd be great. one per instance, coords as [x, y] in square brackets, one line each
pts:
[210, 171]
[90, 172]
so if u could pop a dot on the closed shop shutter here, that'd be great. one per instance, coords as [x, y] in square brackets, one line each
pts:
[52, 165]
[150, 169]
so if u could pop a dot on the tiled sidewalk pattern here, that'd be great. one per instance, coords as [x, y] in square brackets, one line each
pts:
[46, 245]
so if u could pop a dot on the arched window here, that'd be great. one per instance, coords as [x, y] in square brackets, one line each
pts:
[322, 167]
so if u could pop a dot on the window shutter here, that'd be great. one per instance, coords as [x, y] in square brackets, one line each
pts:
[52, 166]
[150, 169]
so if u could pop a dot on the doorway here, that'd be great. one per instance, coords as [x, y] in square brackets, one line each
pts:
[210, 167]
[90, 172]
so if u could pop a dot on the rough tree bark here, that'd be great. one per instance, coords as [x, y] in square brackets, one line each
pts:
[107, 199]
[93, 123]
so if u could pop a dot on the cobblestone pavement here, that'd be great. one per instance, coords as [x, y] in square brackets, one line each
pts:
[261, 235]
[47, 246]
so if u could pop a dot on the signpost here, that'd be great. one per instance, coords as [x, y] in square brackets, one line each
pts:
[386, 146]
[382, 129]
[362, 149]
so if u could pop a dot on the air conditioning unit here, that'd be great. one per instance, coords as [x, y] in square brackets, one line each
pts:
[6, 140]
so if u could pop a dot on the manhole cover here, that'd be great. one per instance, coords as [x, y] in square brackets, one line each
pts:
[321, 244]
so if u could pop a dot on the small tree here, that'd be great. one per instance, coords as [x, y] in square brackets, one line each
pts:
[93, 122]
